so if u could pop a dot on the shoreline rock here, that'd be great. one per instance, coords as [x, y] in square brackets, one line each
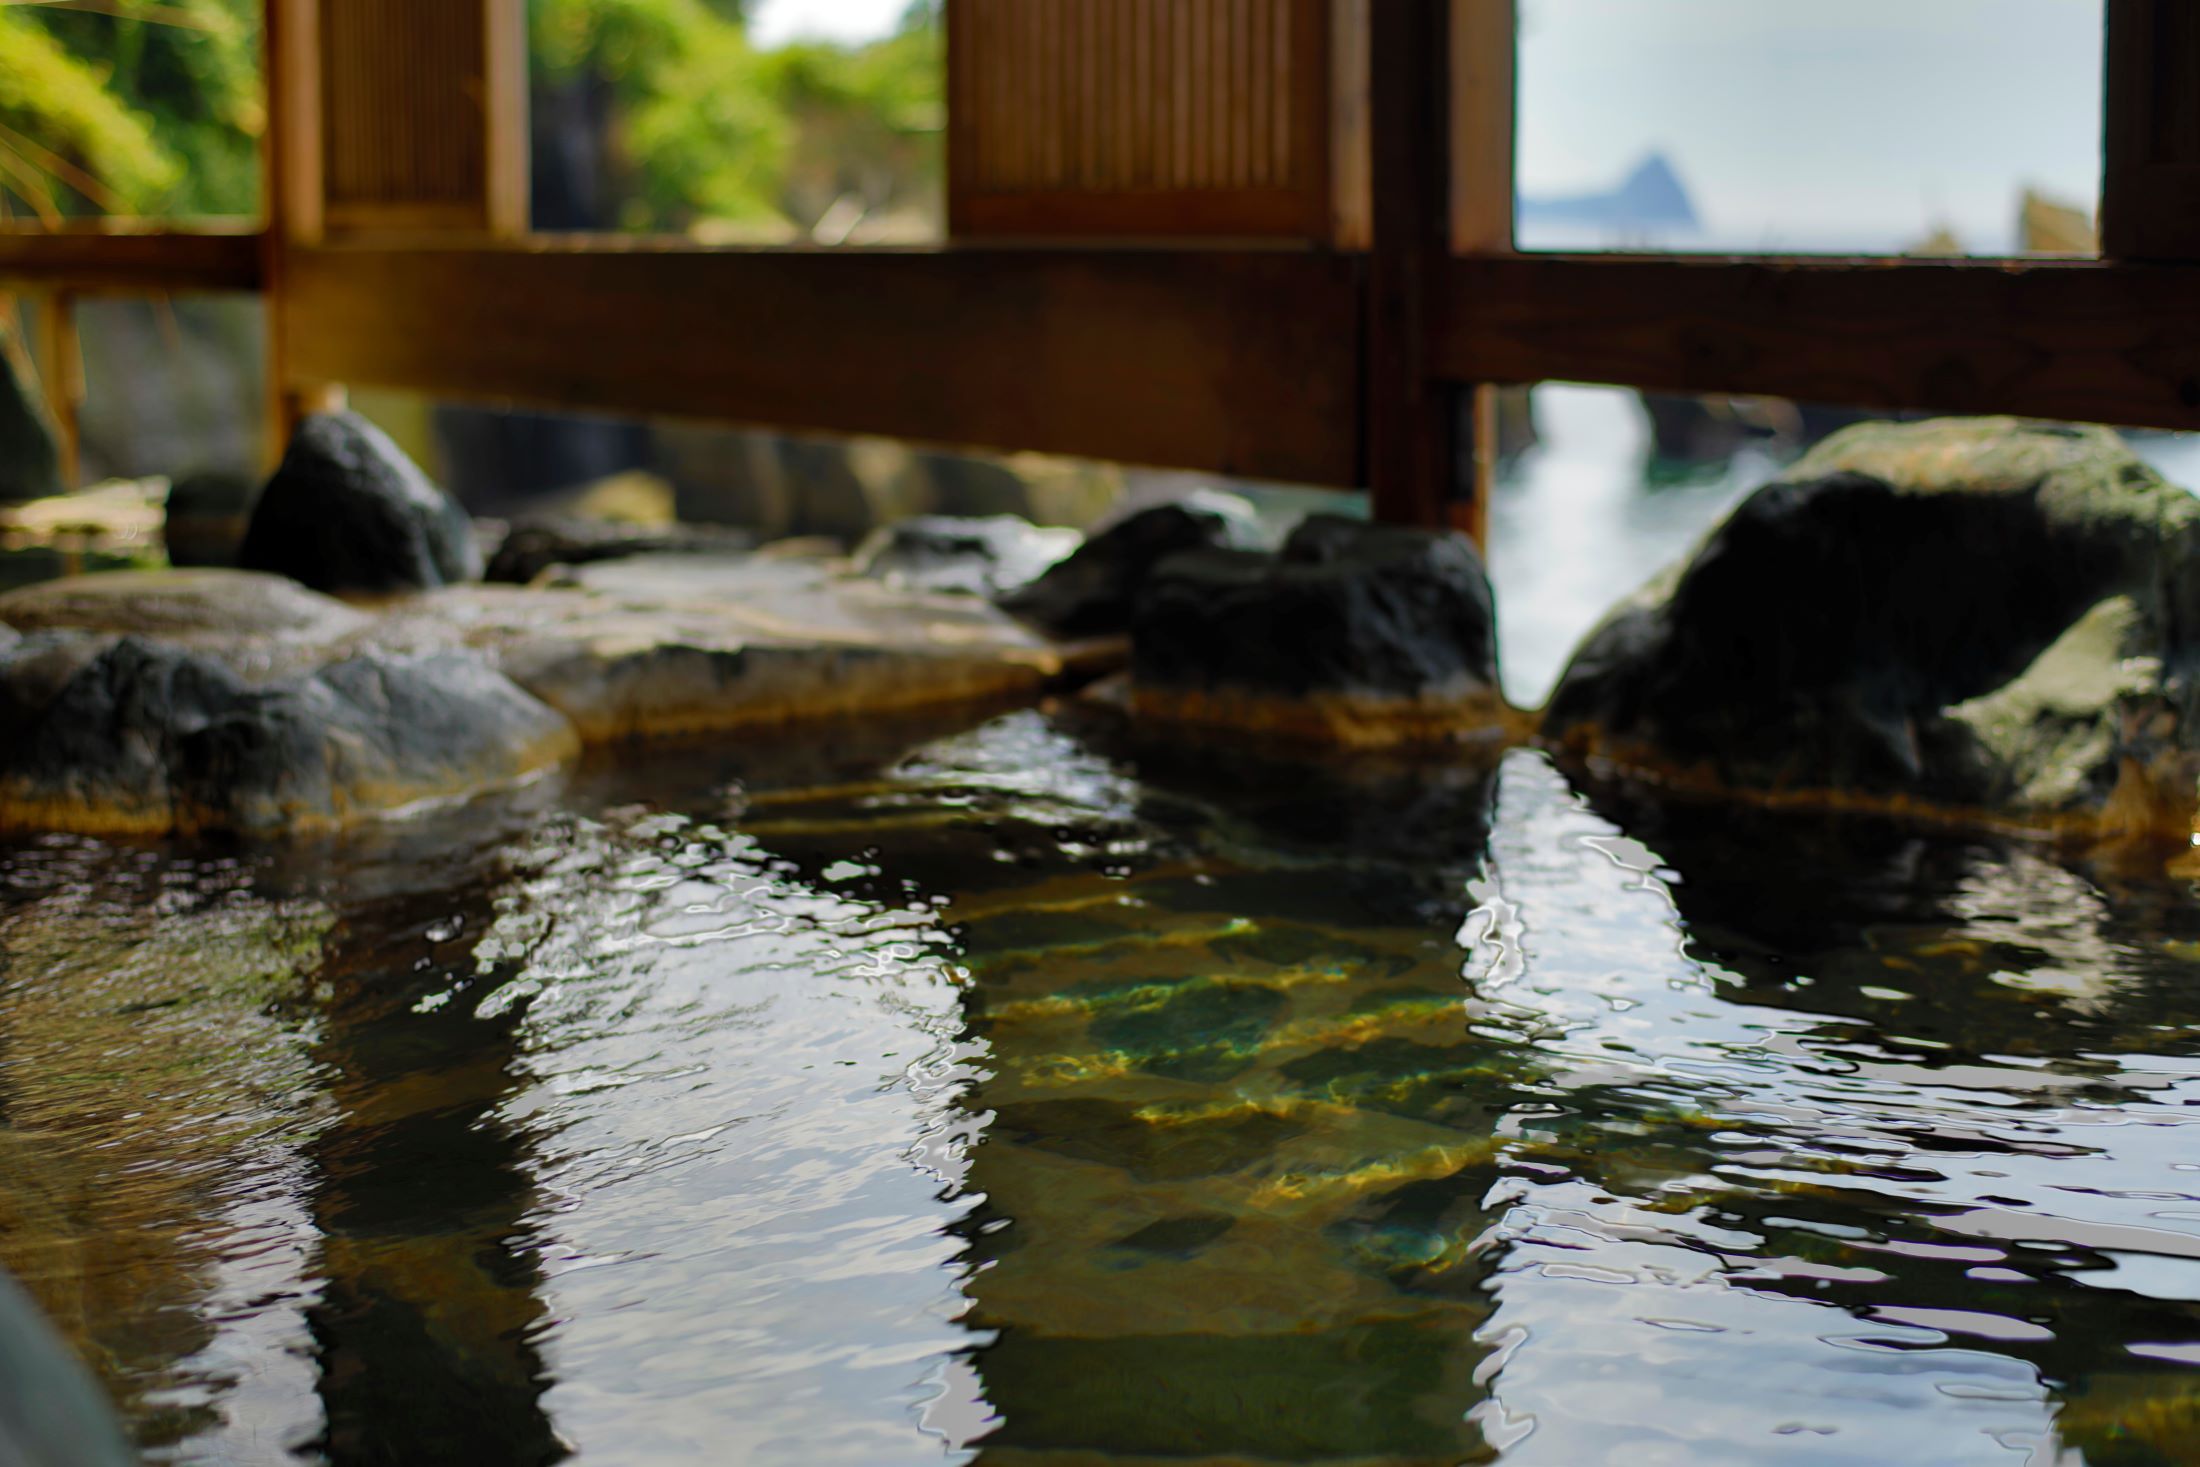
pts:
[121, 734]
[1093, 592]
[536, 544]
[192, 700]
[1353, 635]
[970, 555]
[1974, 617]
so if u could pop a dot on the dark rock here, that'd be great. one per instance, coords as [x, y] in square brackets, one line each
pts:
[207, 516]
[1354, 633]
[348, 513]
[536, 543]
[30, 465]
[1979, 614]
[1091, 593]
[968, 555]
[106, 733]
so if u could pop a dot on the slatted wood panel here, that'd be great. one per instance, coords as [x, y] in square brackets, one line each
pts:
[2150, 180]
[422, 116]
[1129, 117]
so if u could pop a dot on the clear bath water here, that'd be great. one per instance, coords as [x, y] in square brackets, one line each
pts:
[1028, 1098]
[1003, 1091]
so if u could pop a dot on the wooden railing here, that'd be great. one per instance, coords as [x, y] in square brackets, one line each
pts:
[1331, 280]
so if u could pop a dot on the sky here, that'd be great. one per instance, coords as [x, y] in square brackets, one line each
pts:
[1801, 124]
[1819, 123]
[774, 21]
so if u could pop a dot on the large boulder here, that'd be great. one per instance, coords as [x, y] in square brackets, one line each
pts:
[972, 555]
[534, 544]
[1091, 593]
[1980, 615]
[348, 513]
[126, 734]
[30, 466]
[1353, 634]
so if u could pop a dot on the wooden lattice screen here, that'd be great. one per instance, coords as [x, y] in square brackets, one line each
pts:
[1154, 117]
[419, 107]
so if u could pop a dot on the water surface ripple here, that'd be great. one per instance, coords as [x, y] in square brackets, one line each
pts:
[1020, 1097]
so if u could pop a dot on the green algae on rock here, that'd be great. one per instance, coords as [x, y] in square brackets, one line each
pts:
[1965, 615]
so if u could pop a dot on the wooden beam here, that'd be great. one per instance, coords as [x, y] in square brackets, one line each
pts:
[1411, 416]
[219, 256]
[1234, 362]
[2150, 175]
[504, 117]
[293, 148]
[2080, 340]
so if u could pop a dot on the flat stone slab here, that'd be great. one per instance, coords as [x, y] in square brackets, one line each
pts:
[213, 698]
[689, 644]
[203, 606]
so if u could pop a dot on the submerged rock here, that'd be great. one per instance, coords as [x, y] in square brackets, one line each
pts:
[1354, 634]
[126, 734]
[1091, 593]
[30, 465]
[970, 555]
[348, 513]
[535, 544]
[206, 518]
[1982, 615]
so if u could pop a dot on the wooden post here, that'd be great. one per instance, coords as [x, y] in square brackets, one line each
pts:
[2150, 133]
[61, 373]
[1410, 415]
[1484, 58]
[391, 118]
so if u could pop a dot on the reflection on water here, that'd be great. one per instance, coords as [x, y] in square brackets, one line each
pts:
[1029, 1099]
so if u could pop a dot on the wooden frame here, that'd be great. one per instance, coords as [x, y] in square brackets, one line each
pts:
[1159, 357]
[1332, 355]
[2150, 184]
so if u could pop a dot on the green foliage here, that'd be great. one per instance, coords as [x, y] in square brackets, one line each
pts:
[700, 136]
[143, 107]
[710, 130]
[156, 107]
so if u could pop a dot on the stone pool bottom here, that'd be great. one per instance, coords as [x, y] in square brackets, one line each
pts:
[1008, 1094]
